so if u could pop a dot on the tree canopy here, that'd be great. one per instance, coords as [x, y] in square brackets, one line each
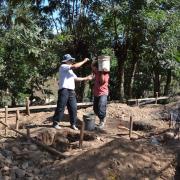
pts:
[142, 38]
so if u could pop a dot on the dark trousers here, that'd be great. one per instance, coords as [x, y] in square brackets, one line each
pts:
[66, 97]
[99, 106]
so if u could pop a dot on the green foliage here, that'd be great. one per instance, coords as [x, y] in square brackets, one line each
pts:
[140, 37]
[27, 55]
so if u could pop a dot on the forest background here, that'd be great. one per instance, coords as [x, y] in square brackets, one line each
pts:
[141, 36]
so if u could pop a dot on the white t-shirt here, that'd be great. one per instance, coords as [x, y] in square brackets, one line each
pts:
[66, 77]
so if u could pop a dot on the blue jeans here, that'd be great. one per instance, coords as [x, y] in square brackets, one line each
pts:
[66, 97]
[99, 106]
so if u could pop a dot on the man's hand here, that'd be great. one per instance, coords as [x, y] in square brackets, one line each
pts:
[89, 78]
[79, 64]
[86, 59]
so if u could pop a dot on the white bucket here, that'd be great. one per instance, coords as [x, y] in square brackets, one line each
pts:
[104, 63]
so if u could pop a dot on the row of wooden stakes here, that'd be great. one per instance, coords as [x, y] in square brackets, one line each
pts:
[17, 115]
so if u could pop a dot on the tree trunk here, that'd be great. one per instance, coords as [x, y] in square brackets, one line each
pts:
[13, 101]
[131, 73]
[168, 83]
[156, 82]
[121, 80]
[121, 55]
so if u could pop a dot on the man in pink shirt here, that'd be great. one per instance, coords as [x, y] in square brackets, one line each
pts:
[100, 92]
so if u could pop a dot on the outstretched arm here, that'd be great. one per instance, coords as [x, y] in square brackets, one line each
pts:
[87, 78]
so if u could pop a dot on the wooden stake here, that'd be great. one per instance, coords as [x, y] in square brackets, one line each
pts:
[27, 106]
[17, 119]
[6, 118]
[130, 126]
[156, 97]
[137, 102]
[28, 134]
[170, 120]
[44, 146]
[81, 135]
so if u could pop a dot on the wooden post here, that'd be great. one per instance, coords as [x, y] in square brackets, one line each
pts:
[81, 135]
[28, 134]
[137, 102]
[130, 126]
[6, 117]
[156, 97]
[27, 106]
[17, 120]
[170, 120]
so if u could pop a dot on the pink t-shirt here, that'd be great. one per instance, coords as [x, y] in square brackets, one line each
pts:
[99, 89]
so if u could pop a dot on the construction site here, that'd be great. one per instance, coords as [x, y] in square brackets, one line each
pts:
[139, 141]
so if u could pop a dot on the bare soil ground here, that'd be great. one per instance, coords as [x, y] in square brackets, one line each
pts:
[106, 154]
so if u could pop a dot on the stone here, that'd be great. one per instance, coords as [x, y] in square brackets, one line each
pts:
[15, 150]
[98, 138]
[8, 161]
[12, 174]
[36, 171]
[168, 136]
[33, 147]
[20, 173]
[2, 157]
[1, 175]
[36, 178]
[25, 165]
[25, 150]
[130, 166]
[82, 177]
[5, 171]
[5, 168]
[6, 178]
[29, 178]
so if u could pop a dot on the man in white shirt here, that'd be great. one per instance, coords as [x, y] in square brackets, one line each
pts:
[66, 93]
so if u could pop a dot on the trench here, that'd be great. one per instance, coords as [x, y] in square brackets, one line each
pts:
[142, 126]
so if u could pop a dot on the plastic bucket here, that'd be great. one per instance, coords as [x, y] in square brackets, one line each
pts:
[104, 63]
[89, 121]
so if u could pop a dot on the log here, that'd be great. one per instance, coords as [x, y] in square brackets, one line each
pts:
[47, 148]
[85, 104]
[146, 99]
[125, 128]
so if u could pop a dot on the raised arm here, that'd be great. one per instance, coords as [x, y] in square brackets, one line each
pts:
[79, 64]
